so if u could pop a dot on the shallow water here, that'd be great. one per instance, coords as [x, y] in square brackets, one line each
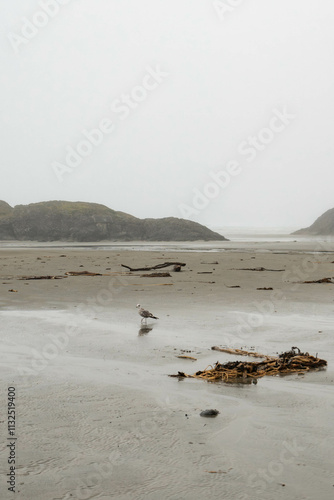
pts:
[287, 417]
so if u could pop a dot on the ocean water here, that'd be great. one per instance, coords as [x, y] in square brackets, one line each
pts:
[240, 239]
[259, 234]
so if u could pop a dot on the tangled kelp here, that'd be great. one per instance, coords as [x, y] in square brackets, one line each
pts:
[293, 361]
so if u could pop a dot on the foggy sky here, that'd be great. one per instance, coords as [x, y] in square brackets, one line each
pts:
[233, 99]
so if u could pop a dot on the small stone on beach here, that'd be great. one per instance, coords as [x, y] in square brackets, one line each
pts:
[209, 413]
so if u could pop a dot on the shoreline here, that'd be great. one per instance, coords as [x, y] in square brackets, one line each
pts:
[284, 243]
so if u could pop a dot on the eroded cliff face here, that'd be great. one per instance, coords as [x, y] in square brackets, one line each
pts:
[323, 226]
[80, 221]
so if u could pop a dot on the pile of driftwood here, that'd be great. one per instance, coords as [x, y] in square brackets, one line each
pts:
[289, 362]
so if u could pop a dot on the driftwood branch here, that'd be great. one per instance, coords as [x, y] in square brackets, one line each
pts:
[42, 277]
[82, 273]
[156, 275]
[257, 269]
[158, 266]
[240, 352]
[323, 280]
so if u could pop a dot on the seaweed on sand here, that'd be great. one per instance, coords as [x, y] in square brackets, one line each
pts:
[293, 361]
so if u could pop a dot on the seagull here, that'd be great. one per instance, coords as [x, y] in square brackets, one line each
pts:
[144, 313]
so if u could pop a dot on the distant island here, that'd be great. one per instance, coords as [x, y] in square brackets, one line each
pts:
[323, 226]
[80, 221]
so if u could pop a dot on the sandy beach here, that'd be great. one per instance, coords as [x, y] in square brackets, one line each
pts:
[97, 416]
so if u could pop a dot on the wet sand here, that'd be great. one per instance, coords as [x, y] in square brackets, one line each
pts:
[98, 416]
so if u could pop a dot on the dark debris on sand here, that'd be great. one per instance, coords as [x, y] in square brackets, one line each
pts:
[293, 361]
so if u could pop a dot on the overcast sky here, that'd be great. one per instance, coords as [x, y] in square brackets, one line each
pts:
[221, 112]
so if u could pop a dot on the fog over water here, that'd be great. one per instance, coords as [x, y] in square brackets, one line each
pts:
[212, 111]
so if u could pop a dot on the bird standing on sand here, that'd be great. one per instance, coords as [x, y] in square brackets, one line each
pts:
[144, 313]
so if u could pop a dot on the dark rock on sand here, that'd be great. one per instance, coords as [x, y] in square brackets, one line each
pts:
[209, 413]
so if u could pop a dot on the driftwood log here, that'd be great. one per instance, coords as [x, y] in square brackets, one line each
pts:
[153, 268]
[82, 273]
[59, 277]
[322, 280]
[42, 277]
[187, 357]
[241, 352]
[156, 275]
[257, 269]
